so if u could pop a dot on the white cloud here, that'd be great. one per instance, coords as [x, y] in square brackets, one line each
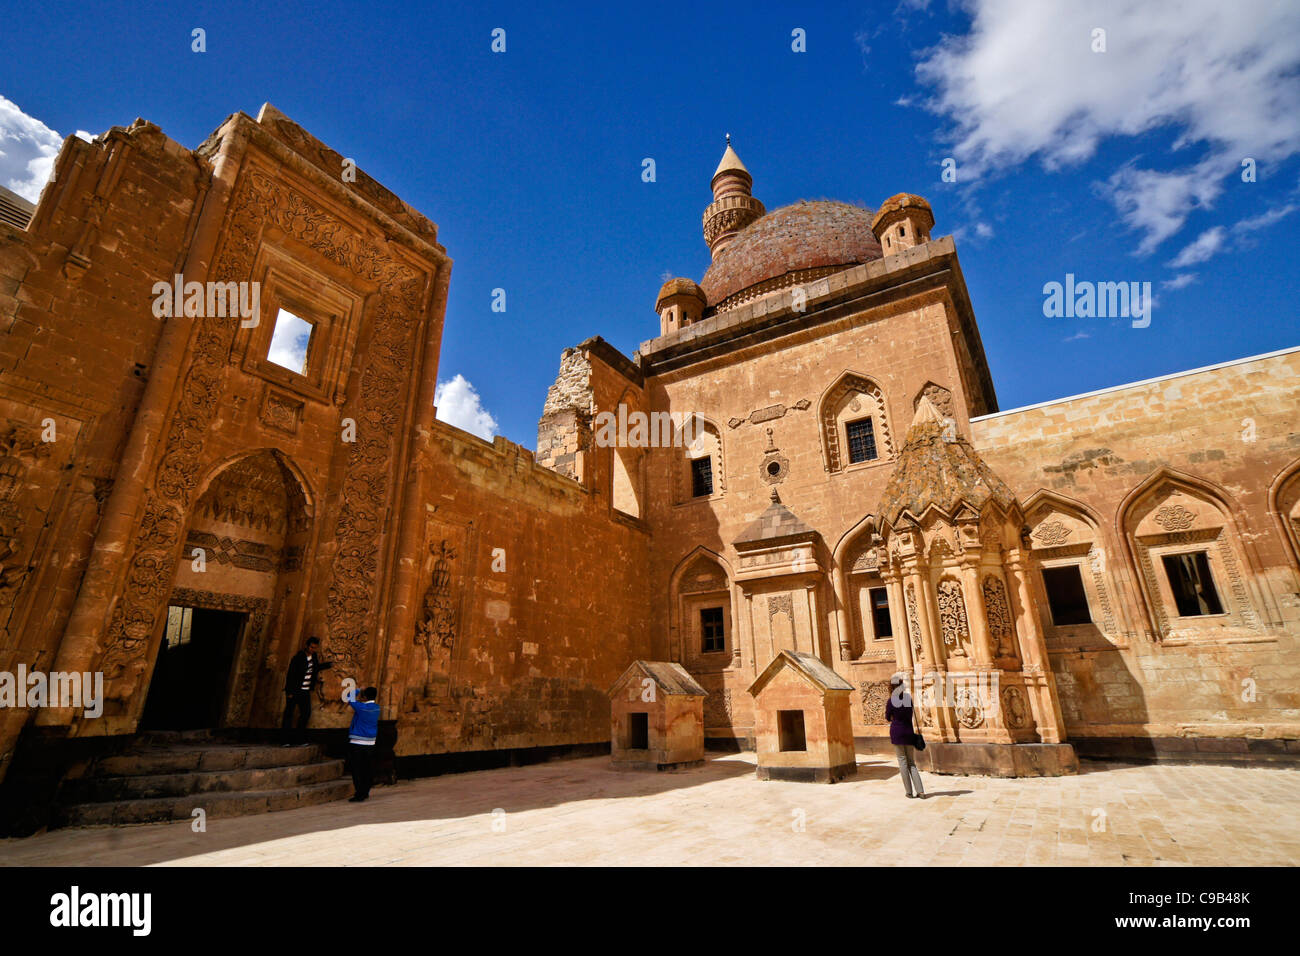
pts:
[1024, 83]
[1205, 246]
[1180, 281]
[1264, 219]
[459, 404]
[27, 151]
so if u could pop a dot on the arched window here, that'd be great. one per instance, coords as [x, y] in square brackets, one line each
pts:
[854, 423]
[1193, 571]
[698, 468]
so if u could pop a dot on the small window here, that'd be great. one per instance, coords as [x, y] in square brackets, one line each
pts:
[1066, 597]
[638, 731]
[714, 639]
[1192, 584]
[789, 730]
[902, 231]
[178, 625]
[862, 440]
[880, 613]
[702, 476]
[290, 342]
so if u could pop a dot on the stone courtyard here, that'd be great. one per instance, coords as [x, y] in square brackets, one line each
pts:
[580, 812]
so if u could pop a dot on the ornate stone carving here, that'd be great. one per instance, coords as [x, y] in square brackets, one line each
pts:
[1050, 534]
[952, 616]
[247, 555]
[1174, 518]
[913, 625]
[939, 396]
[875, 694]
[1015, 709]
[1001, 626]
[281, 412]
[780, 604]
[717, 709]
[436, 630]
[867, 560]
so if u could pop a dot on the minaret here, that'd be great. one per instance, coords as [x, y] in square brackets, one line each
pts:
[734, 206]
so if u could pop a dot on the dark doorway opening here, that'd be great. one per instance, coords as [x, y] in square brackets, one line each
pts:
[192, 675]
[638, 731]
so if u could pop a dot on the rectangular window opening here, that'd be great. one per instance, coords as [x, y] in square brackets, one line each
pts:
[880, 624]
[1066, 598]
[290, 342]
[702, 476]
[790, 732]
[712, 632]
[862, 440]
[1192, 583]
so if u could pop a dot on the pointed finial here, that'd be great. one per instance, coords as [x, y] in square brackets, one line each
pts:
[776, 498]
[728, 139]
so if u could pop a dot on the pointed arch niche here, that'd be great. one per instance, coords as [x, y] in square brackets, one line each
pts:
[1185, 542]
[1071, 580]
[705, 443]
[869, 603]
[853, 399]
[703, 625]
[1284, 504]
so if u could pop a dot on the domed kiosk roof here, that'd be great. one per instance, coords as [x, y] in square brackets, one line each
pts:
[804, 235]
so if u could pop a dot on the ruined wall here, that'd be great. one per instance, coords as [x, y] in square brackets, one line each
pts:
[1217, 448]
[533, 604]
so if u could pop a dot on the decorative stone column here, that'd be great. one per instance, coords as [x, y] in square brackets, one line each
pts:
[1038, 669]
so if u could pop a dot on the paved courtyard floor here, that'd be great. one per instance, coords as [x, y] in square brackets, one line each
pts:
[581, 812]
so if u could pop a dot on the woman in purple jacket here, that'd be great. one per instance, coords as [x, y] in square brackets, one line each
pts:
[901, 735]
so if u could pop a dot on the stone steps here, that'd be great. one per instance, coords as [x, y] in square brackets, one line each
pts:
[166, 776]
[223, 804]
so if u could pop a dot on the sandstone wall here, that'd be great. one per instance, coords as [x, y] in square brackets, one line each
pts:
[1232, 433]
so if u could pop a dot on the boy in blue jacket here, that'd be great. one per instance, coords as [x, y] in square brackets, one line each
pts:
[361, 742]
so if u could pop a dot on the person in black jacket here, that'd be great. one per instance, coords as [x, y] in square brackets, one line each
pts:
[902, 736]
[303, 676]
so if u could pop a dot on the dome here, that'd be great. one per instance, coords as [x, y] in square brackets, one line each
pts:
[794, 239]
[679, 286]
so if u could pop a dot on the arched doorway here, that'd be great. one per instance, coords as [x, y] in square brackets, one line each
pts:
[237, 587]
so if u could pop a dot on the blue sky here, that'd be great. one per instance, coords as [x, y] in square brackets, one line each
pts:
[1122, 165]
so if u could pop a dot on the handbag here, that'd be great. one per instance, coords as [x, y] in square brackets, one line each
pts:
[918, 742]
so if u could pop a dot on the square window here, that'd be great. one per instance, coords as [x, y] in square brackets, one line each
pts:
[638, 731]
[714, 638]
[1192, 583]
[290, 342]
[880, 623]
[862, 440]
[789, 730]
[702, 476]
[1066, 598]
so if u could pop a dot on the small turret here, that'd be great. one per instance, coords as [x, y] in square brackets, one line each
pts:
[903, 221]
[680, 303]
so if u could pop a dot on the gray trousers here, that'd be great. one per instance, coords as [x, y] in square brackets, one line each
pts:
[907, 770]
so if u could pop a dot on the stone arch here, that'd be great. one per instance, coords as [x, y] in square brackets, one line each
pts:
[627, 465]
[1175, 516]
[852, 396]
[1064, 532]
[1284, 506]
[858, 580]
[702, 579]
[706, 440]
[242, 550]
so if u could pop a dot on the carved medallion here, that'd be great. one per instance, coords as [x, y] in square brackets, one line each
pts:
[1174, 518]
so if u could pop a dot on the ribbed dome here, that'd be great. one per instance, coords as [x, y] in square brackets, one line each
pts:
[804, 235]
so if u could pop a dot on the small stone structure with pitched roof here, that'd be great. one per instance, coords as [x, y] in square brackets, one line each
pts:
[802, 725]
[656, 718]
